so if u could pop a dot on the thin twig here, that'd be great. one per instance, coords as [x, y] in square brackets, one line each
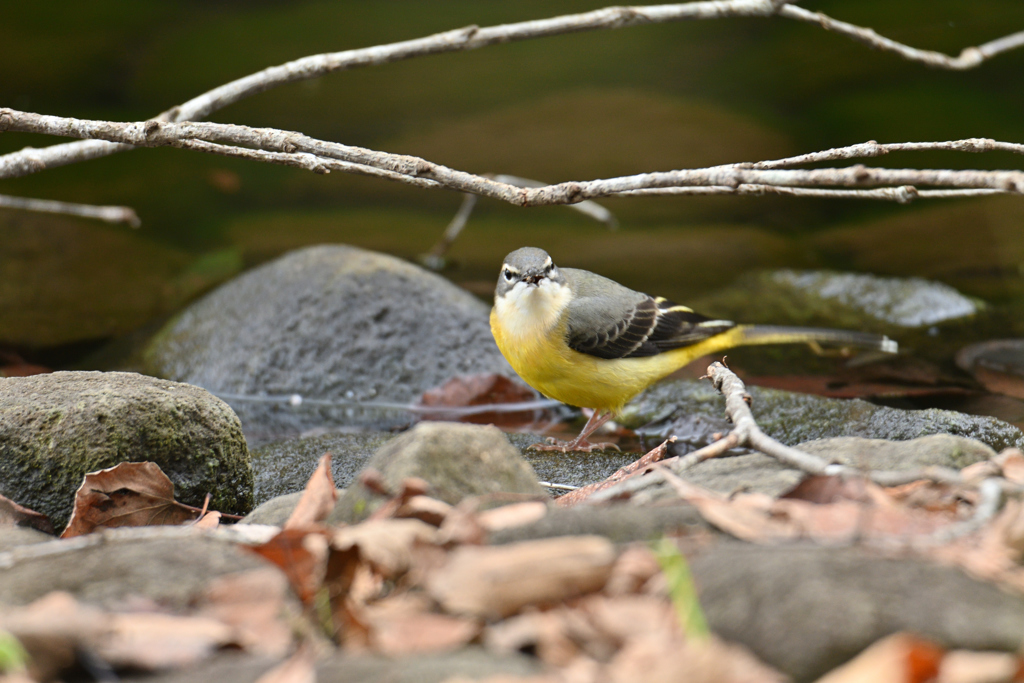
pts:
[990, 498]
[435, 257]
[110, 214]
[627, 486]
[872, 149]
[969, 57]
[750, 434]
[625, 472]
[31, 160]
[295, 149]
[558, 487]
[900, 195]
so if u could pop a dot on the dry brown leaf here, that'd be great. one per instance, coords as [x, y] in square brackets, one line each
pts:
[666, 658]
[545, 633]
[1011, 462]
[480, 389]
[509, 516]
[899, 658]
[995, 552]
[494, 582]
[822, 489]
[397, 635]
[933, 496]
[51, 630]
[386, 544]
[318, 498]
[510, 678]
[299, 668]
[462, 525]
[129, 494]
[56, 627]
[964, 666]
[160, 641]
[411, 487]
[633, 568]
[975, 473]
[424, 508]
[759, 518]
[635, 468]
[302, 555]
[253, 604]
[211, 520]
[629, 616]
[12, 514]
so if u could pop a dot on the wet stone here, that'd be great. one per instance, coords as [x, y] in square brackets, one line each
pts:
[284, 467]
[332, 323]
[794, 418]
[907, 302]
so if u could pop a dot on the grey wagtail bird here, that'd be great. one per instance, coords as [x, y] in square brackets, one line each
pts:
[589, 342]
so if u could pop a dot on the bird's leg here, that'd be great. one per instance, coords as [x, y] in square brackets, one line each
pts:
[580, 443]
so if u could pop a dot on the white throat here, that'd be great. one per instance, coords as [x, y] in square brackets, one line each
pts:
[528, 312]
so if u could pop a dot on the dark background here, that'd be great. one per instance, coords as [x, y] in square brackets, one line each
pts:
[572, 107]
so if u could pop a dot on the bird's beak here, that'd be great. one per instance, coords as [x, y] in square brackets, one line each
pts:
[533, 278]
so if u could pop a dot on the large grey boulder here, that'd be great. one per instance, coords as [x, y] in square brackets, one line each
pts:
[805, 609]
[328, 322]
[55, 428]
[793, 418]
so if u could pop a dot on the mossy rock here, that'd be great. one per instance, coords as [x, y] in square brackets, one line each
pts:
[55, 428]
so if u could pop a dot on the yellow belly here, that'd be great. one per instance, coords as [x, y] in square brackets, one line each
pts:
[547, 364]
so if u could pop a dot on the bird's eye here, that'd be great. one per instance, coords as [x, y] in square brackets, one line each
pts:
[508, 275]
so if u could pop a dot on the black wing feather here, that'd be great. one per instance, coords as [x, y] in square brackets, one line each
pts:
[650, 327]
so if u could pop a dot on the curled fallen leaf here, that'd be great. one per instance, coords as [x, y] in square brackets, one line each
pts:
[317, 498]
[479, 390]
[12, 514]
[302, 555]
[899, 657]
[129, 494]
[493, 582]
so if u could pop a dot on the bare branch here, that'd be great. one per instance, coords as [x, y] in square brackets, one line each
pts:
[969, 58]
[746, 432]
[31, 160]
[434, 258]
[294, 149]
[901, 195]
[872, 149]
[110, 214]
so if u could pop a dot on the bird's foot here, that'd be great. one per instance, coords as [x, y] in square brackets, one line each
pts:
[581, 445]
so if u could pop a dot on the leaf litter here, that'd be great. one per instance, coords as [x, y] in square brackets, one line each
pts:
[418, 577]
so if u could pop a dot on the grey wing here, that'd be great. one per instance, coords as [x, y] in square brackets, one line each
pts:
[621, 323]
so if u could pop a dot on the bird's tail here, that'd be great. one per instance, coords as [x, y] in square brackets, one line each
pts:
[771, 334]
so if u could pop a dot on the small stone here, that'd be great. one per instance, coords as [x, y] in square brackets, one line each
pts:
[276, 511]
[284, 467]
[457, 460]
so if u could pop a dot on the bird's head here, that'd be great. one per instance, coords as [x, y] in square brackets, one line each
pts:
[525, 269]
